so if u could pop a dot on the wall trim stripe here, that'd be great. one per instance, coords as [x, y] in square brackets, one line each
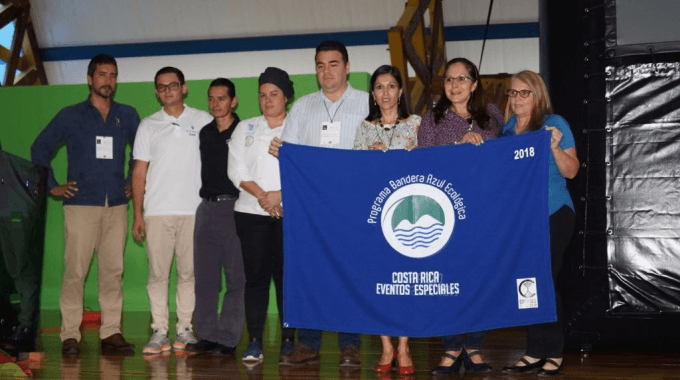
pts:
[285, 42]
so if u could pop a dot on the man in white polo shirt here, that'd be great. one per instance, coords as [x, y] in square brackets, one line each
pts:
[166, 180]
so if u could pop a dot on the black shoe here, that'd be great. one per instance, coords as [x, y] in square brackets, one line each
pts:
[5, 330]
[22, 340]
[222, 350]
[472, 366]
[116, 343]
[453, 368]
[524, 368]
[70, 347]
[202, 346]
[551, 372]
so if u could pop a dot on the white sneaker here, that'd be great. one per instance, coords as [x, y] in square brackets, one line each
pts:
[159, 343]
[183, 338]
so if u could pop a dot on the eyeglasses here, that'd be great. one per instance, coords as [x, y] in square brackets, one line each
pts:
[164, 87]
[522, 93]
[459, 79]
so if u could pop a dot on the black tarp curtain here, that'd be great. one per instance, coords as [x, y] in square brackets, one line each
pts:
[643, 187]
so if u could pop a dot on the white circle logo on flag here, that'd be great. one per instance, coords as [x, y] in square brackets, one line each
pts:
[417, 220]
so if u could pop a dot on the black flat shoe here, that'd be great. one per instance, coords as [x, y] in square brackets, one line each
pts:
[222, 350]
[202, 346]
[453, 368]
[472, 366]
[551, 372]
[524, 368]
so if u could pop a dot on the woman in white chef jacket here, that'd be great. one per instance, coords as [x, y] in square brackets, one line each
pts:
[258, 210]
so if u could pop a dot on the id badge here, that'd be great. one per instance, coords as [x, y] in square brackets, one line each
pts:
[330, 133]
[104, 147]
[250, 135]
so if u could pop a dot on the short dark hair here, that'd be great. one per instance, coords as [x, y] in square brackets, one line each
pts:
[224, 82]
[374, 112]
[169, 70]
[100, 59]
[333, 46]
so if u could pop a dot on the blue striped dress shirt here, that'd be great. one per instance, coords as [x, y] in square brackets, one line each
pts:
[309, 112]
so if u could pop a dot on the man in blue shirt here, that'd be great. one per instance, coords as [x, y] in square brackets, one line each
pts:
[95, 200]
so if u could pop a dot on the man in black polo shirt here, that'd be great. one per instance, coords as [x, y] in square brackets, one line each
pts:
[216, 244]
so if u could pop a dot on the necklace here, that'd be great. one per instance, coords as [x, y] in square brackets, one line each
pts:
[386, 128]
[467, 114]
[385, 125]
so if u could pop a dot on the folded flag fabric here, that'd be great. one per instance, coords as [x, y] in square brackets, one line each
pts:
[431, 242]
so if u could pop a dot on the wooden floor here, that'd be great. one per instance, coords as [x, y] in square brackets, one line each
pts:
[502, 347]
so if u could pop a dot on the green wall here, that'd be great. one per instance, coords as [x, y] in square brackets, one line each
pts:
[24, 112]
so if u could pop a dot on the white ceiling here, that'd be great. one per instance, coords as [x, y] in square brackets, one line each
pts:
[61, 23]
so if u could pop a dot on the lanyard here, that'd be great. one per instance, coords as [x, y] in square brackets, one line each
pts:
[336, 110]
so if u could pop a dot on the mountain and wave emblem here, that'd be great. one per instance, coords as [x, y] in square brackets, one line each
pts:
[418, 221]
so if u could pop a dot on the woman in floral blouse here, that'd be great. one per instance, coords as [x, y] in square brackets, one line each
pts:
[389, 126]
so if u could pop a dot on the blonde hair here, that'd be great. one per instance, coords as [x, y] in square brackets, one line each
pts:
[542, 104]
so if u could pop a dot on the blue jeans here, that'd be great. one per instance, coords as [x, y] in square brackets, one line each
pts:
[472, 343]
[312, 339]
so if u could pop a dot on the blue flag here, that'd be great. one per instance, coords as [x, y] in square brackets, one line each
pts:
[431, 242]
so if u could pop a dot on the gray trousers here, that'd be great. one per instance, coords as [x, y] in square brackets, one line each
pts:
[217, 247]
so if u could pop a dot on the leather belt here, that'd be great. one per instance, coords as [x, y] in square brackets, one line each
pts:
[220, 198]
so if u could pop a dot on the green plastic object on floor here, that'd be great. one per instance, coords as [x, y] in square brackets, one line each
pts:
[10, 369]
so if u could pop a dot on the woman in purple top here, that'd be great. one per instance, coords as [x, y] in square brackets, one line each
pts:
[460, 116]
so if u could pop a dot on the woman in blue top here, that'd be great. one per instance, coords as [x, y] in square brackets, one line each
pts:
[529, 110]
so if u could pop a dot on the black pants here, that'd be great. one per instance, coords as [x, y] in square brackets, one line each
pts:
[546, 340]
[262, 246]
[217, 247]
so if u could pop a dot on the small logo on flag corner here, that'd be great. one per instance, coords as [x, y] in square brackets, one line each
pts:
[417, 220]
[527, 297]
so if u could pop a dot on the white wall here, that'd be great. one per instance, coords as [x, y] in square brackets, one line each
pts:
[501, 56]
[95, 22]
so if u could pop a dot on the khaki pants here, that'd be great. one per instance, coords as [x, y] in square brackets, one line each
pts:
[165, 235]
[88, 229]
